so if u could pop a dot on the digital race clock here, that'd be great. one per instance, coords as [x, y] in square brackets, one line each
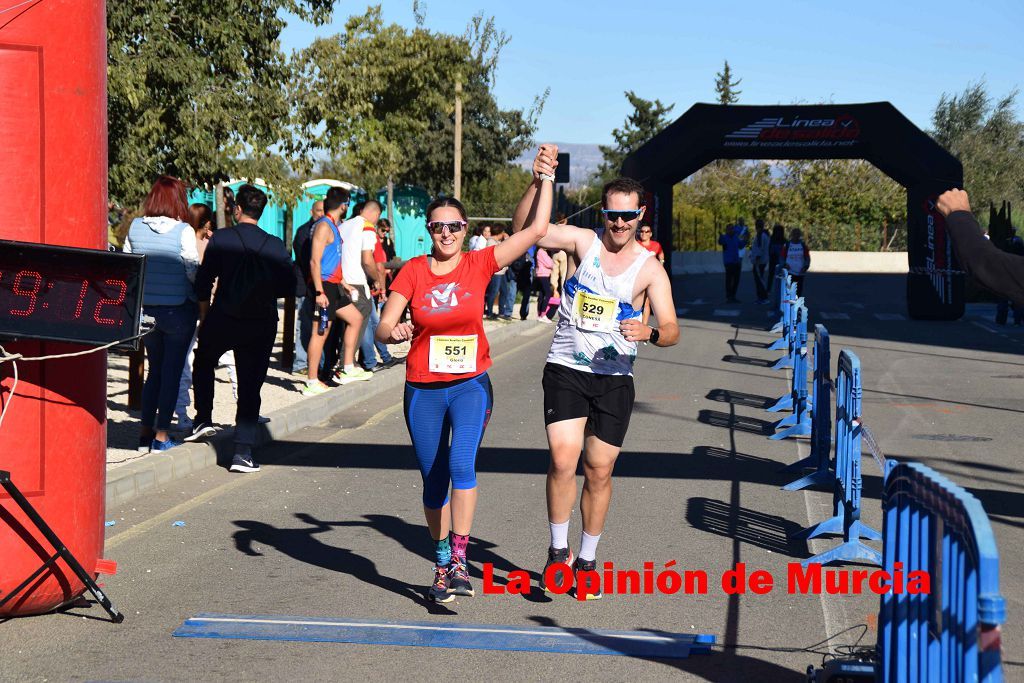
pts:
[86, 296]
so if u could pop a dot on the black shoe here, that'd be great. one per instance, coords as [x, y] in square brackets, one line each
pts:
[390, 363]
[243, 463]
[506, 318]
[555, 556]
[458, 578]
[439, 589]
[587, 566]
[201, 430]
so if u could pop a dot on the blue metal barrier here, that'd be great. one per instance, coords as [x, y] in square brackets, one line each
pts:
[793, 320]
[821, 418]
[846, 497]
[799, 422]
[951, 634]
[787, 292]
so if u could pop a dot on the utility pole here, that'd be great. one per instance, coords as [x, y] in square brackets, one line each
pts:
[458, 137]
[391, 207]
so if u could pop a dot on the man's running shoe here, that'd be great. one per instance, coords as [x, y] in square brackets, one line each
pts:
[354, 375]
[594, 591]
[202, 430]
[458, 578]
[160, 446]
[439, 589]
[314, 388]
[243, 463]
[555, 556]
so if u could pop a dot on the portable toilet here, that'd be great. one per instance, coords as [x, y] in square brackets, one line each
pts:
[315, 190]
[410, 220]
[272, 220]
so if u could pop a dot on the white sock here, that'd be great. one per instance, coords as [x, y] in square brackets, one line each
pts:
[588, 547]
[350, 368]
[559, 534]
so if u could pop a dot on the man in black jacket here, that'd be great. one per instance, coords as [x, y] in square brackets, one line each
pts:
[993, 268]
[252, 270]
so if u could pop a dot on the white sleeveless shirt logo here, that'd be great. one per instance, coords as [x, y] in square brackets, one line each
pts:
[587, 337]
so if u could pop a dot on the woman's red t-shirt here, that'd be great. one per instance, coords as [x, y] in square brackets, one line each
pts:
[445, 306]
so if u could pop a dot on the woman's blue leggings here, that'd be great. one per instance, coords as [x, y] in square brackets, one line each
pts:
[447, 425]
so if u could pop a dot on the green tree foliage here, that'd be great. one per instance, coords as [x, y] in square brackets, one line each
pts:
[498, 194]
[380, 100]
[988, 138]
[725, 86]
[195, 89]
[647, 120]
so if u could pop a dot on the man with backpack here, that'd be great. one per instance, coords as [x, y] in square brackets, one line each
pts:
[252, 270]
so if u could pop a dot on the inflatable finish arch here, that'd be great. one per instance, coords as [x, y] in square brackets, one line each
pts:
[876, 132]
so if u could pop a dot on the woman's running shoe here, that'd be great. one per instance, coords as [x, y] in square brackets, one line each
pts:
[594, 591]
[556, 556]
[458, 578]
[439, 589]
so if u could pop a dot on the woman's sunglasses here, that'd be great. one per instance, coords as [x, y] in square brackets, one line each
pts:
[436, 227]
[626, 216]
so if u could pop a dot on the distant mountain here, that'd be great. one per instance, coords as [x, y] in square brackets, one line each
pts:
[584, 160]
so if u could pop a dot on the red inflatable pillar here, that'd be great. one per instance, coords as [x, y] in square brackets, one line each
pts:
[53, 173]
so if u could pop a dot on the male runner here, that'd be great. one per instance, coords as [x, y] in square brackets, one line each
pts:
[588, 378]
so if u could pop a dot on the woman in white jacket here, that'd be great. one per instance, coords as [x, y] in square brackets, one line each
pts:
[169, 243]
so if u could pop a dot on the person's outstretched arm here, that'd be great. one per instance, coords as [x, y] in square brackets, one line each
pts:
[543, 200]
[993, 268]
[558, 236]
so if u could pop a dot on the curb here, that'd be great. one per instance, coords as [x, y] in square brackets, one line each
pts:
[134, 480]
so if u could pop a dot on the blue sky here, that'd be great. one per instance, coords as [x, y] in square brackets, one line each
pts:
[589, 53]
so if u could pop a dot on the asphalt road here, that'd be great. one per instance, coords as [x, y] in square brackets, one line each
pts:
[332, 526]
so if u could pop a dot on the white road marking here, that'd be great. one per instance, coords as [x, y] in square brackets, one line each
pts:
[726, 312]
[890, 316]
[834, 315]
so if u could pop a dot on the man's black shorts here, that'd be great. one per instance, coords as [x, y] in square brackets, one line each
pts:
[337, 296]
[605, 400]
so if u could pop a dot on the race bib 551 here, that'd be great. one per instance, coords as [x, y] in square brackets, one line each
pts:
[453, 355]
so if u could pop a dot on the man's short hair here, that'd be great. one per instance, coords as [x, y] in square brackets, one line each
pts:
[251, 200]
[623, 186]
[371, 202]
[335, 198]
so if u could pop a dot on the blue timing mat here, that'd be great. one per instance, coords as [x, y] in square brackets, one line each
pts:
[439, 634]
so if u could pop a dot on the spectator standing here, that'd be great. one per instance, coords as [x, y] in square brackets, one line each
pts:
[252, 270]
[542, 282]
[378, 297]
[743, 232]
[387, 239]
[731, 245]
[797, 258]
[1013, 246]
[497, 280]
[481, 234]
[759, 255]
[172, 259]
[201, 219]
[523, 267]
[645, 233]
[775, 245]
[304, 297]
[358, 239]
[332, 294]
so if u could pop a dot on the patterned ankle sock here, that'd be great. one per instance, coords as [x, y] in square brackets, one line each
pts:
[459, 544]
[443, 550]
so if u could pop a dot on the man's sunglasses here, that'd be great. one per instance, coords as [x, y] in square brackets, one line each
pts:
[436, 227]
[626, 216]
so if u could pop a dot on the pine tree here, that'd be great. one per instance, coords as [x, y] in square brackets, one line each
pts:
[726, 87]
[647, 120]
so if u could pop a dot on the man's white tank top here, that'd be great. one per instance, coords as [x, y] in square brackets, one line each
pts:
[593, 304]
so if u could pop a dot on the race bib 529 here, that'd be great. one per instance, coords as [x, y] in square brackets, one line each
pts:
[595, 313]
